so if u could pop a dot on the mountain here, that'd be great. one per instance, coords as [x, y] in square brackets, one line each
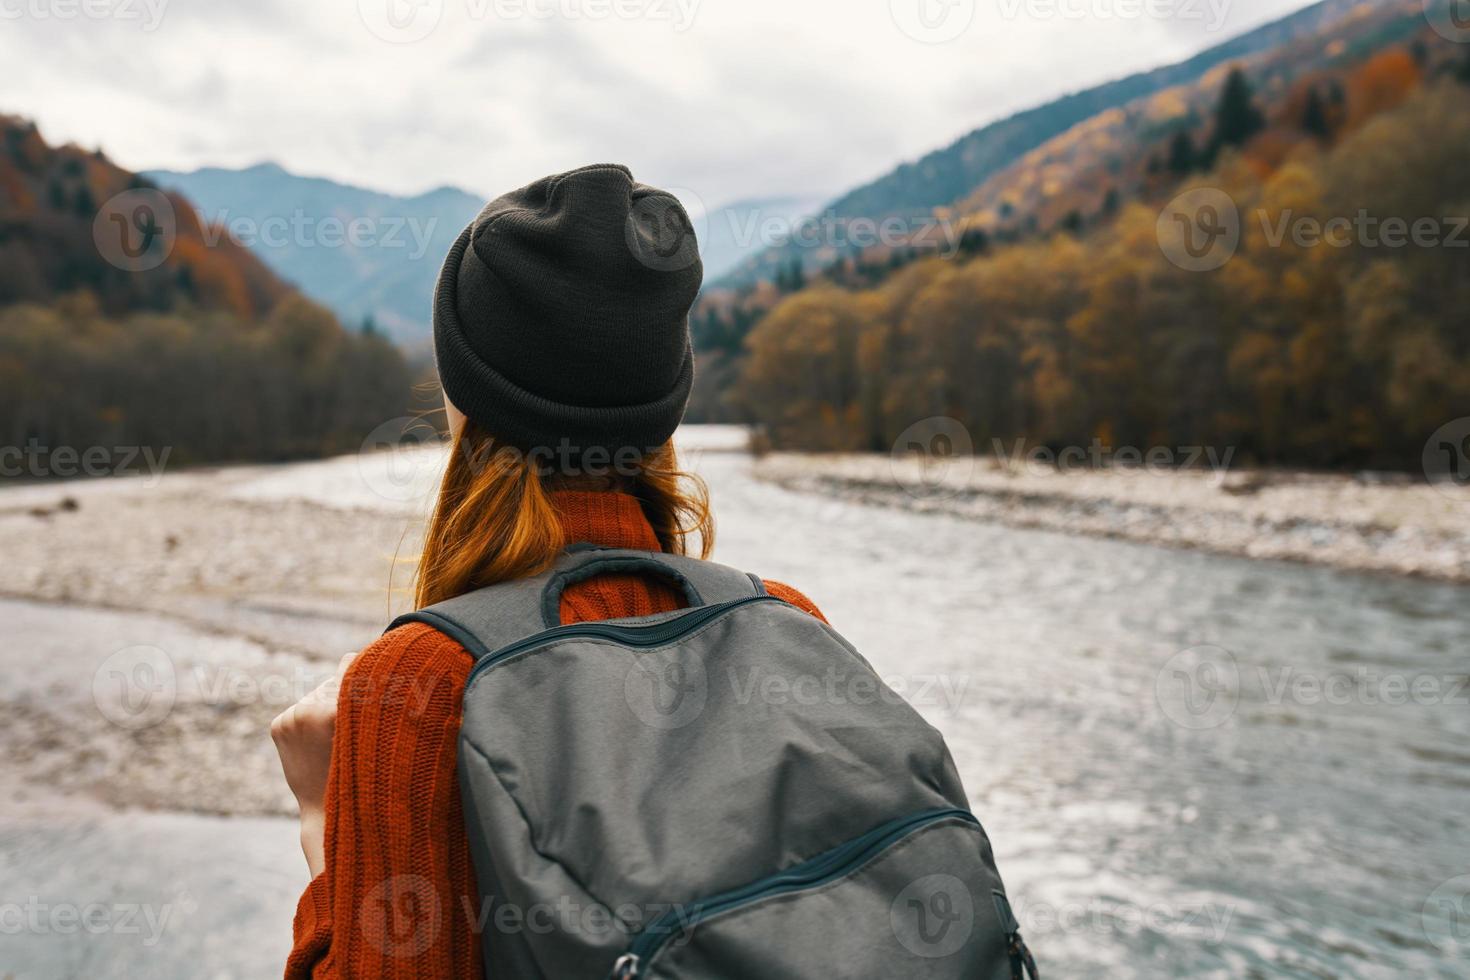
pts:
[1163, 275]
[365, 254]
[290, 221]
[69, 223]
[741, 229]
[126, 322]
[946, 175]
[1082, 175]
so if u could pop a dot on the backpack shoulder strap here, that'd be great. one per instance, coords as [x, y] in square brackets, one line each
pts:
[494, 617]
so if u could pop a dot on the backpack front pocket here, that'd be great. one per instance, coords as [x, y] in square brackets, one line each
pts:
[910, 898]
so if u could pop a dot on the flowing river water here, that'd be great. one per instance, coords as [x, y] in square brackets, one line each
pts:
[1189, 765]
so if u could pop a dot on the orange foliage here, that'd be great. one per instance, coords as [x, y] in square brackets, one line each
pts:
[1383, 82]
[1269, 150]
[217, 282]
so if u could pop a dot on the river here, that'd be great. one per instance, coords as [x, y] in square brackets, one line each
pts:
[1189, 765]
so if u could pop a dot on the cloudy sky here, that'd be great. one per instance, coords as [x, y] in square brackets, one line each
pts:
[723, 99]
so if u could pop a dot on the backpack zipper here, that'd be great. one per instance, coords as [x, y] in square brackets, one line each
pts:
[826, 867]
[651, 635]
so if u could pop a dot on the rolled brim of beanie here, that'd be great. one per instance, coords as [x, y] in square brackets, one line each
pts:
[529, 421]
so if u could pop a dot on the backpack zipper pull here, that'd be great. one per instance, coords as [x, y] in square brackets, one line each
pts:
[1023, 964]
[626, 968]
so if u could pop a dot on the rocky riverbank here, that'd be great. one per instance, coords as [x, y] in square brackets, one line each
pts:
[1365, 522]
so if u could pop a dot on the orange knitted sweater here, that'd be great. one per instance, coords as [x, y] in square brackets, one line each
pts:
[397, 897]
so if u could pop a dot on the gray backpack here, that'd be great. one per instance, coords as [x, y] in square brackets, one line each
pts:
[727, 790]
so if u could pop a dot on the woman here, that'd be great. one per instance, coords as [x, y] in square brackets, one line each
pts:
[561, 335]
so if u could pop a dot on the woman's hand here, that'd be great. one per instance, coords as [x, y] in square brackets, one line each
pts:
[303, 737]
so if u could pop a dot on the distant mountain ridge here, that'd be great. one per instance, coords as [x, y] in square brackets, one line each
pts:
[730, 234]
[368, 255]
[299, 226]
[949, 174]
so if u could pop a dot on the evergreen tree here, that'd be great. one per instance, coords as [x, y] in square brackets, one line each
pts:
[1236, 117]
[86, 205]
[798, 275]
[1182, 156]
[790, 276]
[974, 241]
[1314, 116]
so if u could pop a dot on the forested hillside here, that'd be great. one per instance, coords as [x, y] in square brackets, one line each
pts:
[1086, 316]
[125, 323]
[946, 175]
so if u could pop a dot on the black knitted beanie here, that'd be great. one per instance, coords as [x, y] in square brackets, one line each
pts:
[561, 317]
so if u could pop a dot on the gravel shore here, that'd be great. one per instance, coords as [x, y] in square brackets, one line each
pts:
[1367, 522]
[156, 628]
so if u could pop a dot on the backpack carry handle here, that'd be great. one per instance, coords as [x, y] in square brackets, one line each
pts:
[488, 619]
[603, 564]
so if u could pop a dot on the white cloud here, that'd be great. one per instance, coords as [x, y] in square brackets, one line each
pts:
[728, 98]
